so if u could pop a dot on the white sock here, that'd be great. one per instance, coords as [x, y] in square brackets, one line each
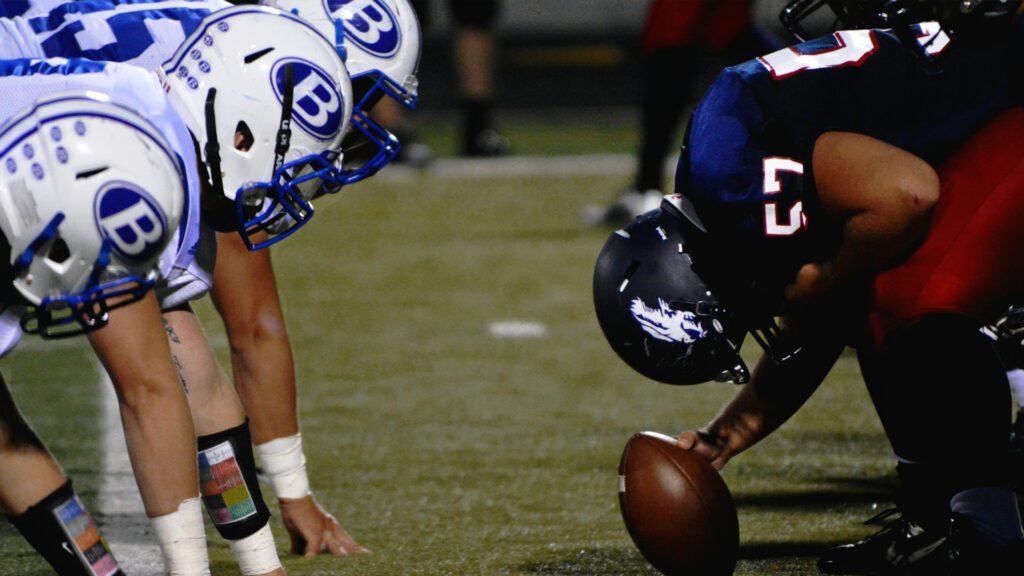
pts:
[1016, 378]
[992, 511]
[256, 554]
[182, 539]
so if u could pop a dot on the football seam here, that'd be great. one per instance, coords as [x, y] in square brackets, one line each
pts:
[682, 471]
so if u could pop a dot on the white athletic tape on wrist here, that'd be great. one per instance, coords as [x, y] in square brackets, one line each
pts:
[285, 465]
[182, 539]
[256, 554]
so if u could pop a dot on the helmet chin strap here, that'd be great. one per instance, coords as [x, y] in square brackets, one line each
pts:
[775, 343]
[212, 149]
[284, 131]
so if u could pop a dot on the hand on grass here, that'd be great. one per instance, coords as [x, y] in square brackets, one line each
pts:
[313, 530]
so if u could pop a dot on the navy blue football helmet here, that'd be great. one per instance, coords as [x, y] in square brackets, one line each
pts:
[656, 312]
[954, 18]
[952, 14]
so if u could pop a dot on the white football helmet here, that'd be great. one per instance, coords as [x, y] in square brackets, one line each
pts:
[268, 100]
[90, 195]
[381, 42]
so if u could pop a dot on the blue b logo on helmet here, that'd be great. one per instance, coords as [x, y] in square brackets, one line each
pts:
[132, 220]
[370, 24]
[317, 105]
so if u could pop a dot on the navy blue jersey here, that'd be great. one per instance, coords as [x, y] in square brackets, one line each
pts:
[748, 169]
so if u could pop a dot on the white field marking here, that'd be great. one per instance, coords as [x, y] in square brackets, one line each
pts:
[509, 166]
[29, 342]
[127, 529]
[517, 329]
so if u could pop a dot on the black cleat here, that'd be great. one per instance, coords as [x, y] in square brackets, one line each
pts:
[902, 547]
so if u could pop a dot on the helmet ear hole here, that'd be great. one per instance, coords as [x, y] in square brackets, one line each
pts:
[243, 137]
[59, 251]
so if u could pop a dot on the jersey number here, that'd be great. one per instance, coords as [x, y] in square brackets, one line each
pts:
[853, 47]
[795, 219]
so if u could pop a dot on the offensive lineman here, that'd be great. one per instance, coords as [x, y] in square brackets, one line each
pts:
[155, 415]
[806, 172]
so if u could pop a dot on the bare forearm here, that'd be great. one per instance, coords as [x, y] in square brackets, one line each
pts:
[245, 295]
[265, 379]
[775, 392]
[157, 423]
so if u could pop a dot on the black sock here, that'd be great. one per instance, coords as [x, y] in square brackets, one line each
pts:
[59, 527]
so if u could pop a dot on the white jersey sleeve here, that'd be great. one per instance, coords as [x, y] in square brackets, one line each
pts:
[144, 33]
[27, 8]
[24, 81]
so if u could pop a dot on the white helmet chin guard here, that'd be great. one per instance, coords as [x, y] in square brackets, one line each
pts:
[268, 99]
[381, 42]
[90, 195]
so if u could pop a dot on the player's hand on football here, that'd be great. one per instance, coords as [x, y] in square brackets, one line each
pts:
[313, 530]
[718, 444]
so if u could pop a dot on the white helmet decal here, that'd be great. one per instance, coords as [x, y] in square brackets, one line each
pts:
[368, 23]
[318, 107]
[131, 219]
[667, 324]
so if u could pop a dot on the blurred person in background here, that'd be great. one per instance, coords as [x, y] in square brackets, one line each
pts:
[474, 57]
[681, 41]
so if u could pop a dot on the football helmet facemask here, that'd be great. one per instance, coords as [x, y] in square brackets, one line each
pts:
[381, 42]
[953, 16]
[268, 100]
[656, 312]
[90, 195]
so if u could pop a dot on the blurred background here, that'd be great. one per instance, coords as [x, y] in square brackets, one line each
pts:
[550, 54]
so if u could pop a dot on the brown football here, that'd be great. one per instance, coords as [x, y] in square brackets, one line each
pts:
[677, 508]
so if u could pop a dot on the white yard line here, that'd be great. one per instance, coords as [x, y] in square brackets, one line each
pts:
[126, 529]
[517, 329]
[576, 165]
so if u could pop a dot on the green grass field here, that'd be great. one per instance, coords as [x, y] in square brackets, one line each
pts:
[448, 451]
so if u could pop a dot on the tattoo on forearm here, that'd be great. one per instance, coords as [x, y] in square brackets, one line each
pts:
[181, 375]
[171, 334]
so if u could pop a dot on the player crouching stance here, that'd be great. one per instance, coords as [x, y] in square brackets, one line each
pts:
[821, 225]
[82, 234]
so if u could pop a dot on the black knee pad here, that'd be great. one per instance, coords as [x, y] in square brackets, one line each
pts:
[63, 533]
[947, 401]
[228, 484]
[475, 13]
